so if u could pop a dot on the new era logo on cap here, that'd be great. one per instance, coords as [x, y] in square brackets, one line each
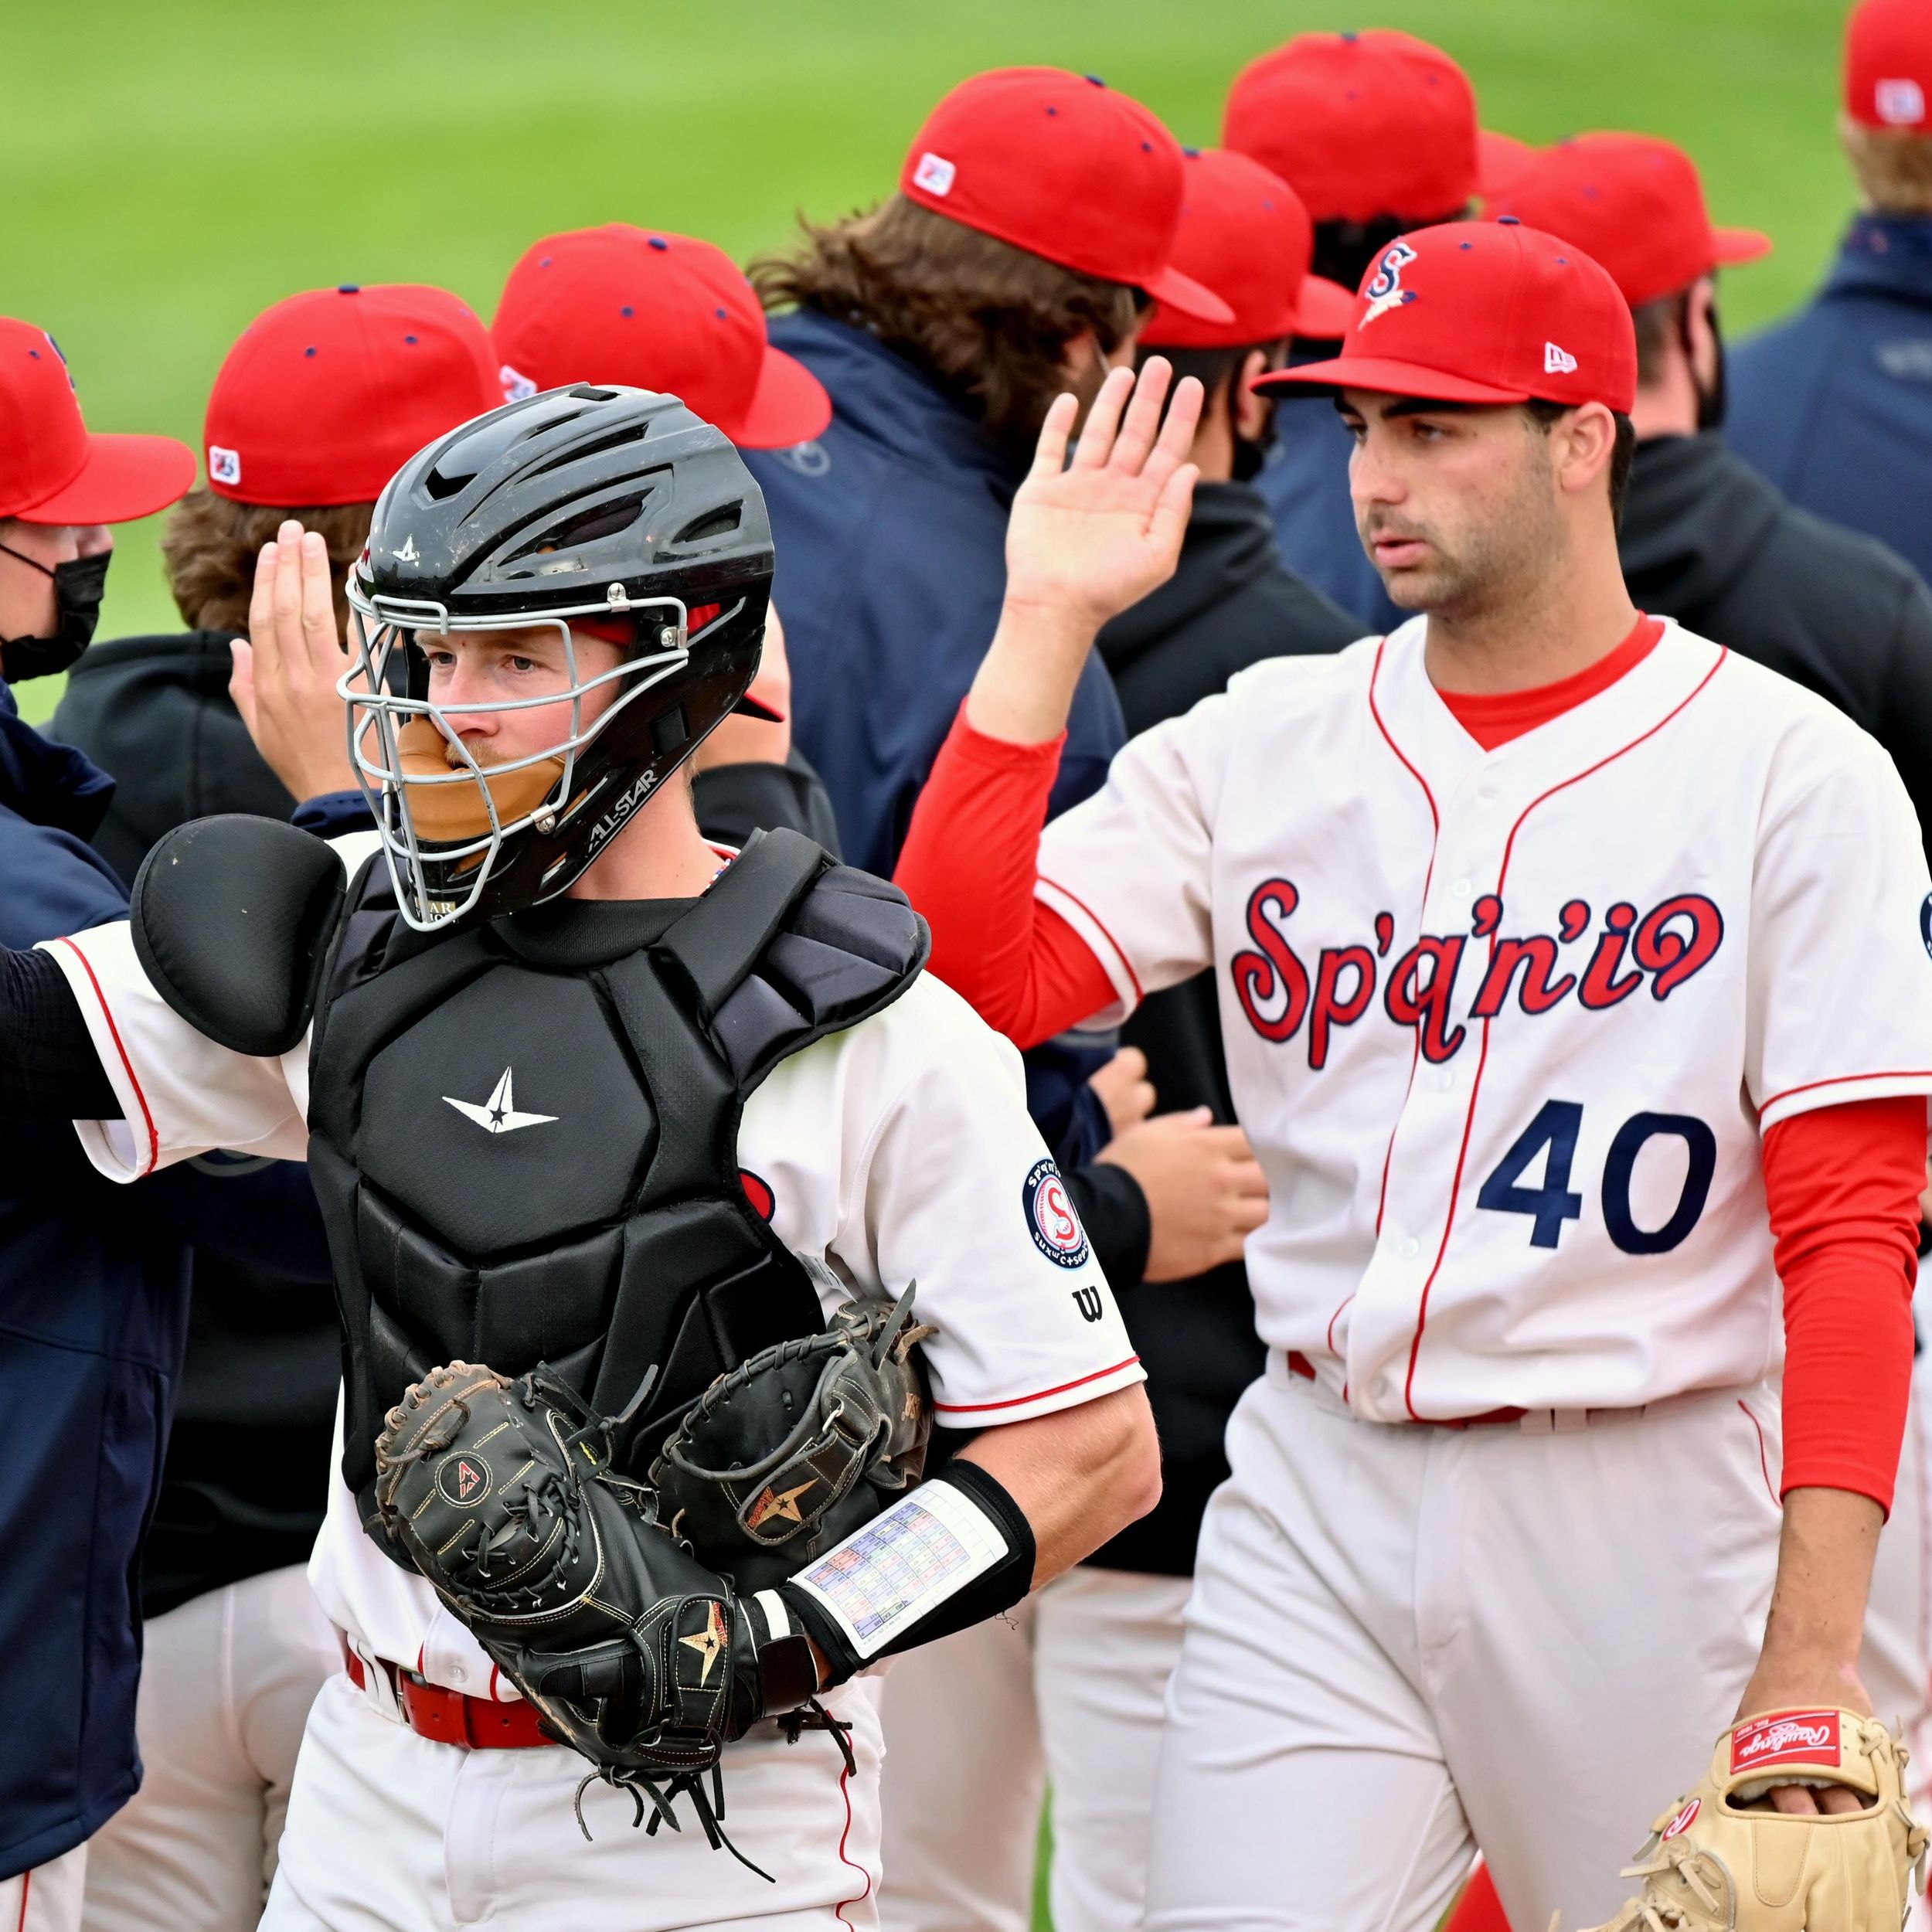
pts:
[934, 174]
[516, 386]
[1558, 362]
[1900, 104]
[224, 466]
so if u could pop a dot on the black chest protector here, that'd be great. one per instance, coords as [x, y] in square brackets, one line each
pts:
[524, 1137]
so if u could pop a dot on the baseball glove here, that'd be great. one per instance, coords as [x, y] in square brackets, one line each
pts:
[798, 1446]
[1721, 1859]
[634, 1653]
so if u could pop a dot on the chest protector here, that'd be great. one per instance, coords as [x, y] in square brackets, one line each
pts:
[524, 1138]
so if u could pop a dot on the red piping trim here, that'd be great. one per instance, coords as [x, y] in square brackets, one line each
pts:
[26, 1884]
[1848, 1079]
[1428, 879]
[1763, 1457]
[148, 1119]
[1482, 1059]
[858, 1897]
[1038, 1394]
[1120, 953]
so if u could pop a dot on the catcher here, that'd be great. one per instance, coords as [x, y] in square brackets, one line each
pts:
[629, 1150]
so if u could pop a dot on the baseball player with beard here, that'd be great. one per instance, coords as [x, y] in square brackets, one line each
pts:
[619, 1140]
[1574, 981]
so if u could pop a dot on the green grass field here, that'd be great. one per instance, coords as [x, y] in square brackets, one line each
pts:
[171, 170]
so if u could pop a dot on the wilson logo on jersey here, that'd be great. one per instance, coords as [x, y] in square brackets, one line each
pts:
[1627, 952]
[1050, 1219]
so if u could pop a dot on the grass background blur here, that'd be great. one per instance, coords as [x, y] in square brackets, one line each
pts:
[171, 170]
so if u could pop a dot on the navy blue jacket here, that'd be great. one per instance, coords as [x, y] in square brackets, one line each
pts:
[1305, 482]
[891, 533]
[93, 1314]
[1835, 404]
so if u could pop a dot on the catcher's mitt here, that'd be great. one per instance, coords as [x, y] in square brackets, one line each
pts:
[1721, 1859]
[636, 1656]
[798, 1446]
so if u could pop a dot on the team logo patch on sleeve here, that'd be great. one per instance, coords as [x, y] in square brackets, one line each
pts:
[1050, 1219]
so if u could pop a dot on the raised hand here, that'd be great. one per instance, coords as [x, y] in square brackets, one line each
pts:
[283, 679]
[1089, 538]
[1084, 540]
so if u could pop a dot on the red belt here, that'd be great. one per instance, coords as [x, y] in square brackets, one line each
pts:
[480, 1724]
[1300, 1365]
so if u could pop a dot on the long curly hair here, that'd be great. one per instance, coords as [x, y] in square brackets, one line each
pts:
[991, 322]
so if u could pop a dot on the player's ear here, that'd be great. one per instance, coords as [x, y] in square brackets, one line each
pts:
[1585, 439]
[1251, 412]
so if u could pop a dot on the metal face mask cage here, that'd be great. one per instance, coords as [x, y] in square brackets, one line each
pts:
[463, 812]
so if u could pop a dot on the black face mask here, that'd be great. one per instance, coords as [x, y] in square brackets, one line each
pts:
[77, 588]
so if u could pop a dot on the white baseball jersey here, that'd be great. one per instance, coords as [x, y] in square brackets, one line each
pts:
[897, 1150]
[1505, 1028]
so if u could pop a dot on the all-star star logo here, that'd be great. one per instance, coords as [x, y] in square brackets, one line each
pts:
[709, 1642]
[498, 1114]
[409, 553]
[781, 1503]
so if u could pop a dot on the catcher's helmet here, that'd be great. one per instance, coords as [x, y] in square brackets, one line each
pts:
[610, 506]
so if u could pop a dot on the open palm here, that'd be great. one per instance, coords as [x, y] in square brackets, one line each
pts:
[1089, 538]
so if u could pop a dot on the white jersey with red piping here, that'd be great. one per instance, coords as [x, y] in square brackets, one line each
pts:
[1505, 1028]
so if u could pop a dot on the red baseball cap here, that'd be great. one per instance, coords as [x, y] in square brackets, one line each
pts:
[1500, 158]
[1065, 169]
[1359, 124]
[1245, 234]
[1888, 63]
[1634, 203]
[53, 469]
[1483, 312]
[328, 393]
[655, 310]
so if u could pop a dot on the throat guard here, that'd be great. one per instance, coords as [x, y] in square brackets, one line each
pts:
[524, 1136]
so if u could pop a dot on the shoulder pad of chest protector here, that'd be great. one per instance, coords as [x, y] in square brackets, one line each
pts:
[794, 947]
[231, 919]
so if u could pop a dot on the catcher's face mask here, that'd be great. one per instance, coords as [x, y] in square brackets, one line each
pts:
[441, 719]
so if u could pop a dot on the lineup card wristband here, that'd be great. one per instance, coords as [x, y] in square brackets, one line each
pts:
[901, 1566]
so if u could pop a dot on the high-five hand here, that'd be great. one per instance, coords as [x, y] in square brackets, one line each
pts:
[284, 674]
[1085, 540]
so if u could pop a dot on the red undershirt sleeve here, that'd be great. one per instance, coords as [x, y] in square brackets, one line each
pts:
[969, 865]
[1843, 1184]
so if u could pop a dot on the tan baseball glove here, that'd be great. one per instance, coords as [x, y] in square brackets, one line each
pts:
[1721, 1859]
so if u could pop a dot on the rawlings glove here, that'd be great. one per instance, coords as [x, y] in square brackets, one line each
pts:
[636, 1655]
[798, 1446]
[1721, 1859]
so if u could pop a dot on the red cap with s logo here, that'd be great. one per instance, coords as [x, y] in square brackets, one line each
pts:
[1482, 312]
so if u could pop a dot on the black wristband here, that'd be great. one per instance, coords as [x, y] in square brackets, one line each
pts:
[998, 1588]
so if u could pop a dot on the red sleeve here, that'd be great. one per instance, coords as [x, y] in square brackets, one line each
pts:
[969, 865]
[1843, 1185]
